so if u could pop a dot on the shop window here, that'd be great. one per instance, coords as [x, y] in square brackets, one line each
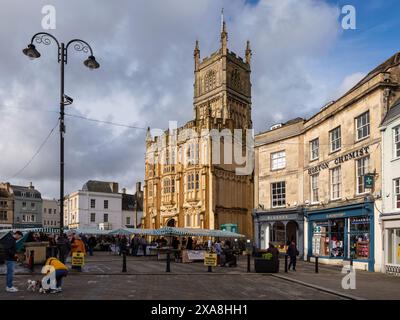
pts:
[314, 188]
[278, 235]
[328, 238]
[359, 238]
[314, 149]
[278, 160]
[393, 256]
[337, 238]
[320, 239]
[335, 137]
[362, 169]
[396, 147]
[397, 193]
[278, 190]
[363, 126]
[336, 183]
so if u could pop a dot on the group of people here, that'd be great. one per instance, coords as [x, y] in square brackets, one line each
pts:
[291, 252]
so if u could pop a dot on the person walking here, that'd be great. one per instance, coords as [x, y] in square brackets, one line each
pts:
[143, 244]
[64, 247]
[292, 252]
[135, 245]
[92, 242]
[9, 242]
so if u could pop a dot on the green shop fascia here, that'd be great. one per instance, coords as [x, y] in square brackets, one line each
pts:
[344, 232]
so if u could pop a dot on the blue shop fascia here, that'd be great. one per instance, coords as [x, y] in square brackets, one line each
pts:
[342, 232]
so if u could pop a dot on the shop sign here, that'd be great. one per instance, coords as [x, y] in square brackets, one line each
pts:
[369, 181]
[278, 217]
[210, 259]
[336, 215]
[78, 259]
[339, 160]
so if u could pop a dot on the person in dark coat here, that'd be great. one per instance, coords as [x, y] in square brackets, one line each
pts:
[64, 247]
[92, 242]
[9, 242]
[135, 245]
[273, 250]
[189, 245]
[292, 252]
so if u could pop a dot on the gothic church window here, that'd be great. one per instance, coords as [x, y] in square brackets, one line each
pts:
[210, 80]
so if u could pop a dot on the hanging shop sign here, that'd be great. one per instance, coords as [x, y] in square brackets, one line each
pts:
[339, 160]
[369, 181]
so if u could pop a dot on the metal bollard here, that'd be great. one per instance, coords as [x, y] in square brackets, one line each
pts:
[209, 269]
[351, 262]
[316, 264]
[248, 263]
[168, 262]
[124, 262]
[32, 260]
[286, 263]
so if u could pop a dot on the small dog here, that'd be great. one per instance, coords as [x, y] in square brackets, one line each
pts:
[34, 286]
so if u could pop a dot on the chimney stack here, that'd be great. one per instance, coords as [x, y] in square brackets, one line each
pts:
[31, 186]
[138, 186]
[123, 190]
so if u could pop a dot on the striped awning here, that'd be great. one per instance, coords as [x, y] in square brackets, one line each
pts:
[180, 232]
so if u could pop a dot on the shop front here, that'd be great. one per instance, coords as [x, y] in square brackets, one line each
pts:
[342, 233]
[391, 227]
[279, 228]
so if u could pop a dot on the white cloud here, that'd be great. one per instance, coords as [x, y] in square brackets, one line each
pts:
[145, 49]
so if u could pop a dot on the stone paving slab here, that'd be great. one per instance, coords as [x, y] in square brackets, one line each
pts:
[171, 286]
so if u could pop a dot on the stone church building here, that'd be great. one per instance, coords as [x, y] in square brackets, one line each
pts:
[187, 183]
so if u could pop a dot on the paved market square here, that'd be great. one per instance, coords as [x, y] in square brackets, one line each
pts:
[146, 278]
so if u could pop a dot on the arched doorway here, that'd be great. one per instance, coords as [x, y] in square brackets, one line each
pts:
[171, 223]
[292, 231]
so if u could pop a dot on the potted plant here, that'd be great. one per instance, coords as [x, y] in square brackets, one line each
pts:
[266, 264]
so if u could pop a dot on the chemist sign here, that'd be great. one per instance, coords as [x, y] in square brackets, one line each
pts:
[369, 181]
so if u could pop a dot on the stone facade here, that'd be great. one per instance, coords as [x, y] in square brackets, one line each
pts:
[184, 186]
[322, 164]
[6, 207]
[51, 213]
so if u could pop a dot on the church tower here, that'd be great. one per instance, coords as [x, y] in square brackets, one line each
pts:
[190, 189]
[222, 87]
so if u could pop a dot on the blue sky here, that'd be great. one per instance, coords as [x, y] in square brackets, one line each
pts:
[302, 59]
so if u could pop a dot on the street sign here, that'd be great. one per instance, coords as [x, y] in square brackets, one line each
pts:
[78, 259]
[369, 181]
[210, 259]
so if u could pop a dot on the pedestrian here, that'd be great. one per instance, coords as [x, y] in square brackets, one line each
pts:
[189, 245]
[92, 242]
[292, 252]
[60, 269]
[175, 245]
[77, 245]
[9, 243]
[123, 245]
[135, 245]
[143, 244]
[273, 250]
[64, 247]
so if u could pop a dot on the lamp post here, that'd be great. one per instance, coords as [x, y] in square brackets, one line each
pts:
[62, 56]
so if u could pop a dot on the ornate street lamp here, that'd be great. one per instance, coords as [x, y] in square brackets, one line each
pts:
[79, 45]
